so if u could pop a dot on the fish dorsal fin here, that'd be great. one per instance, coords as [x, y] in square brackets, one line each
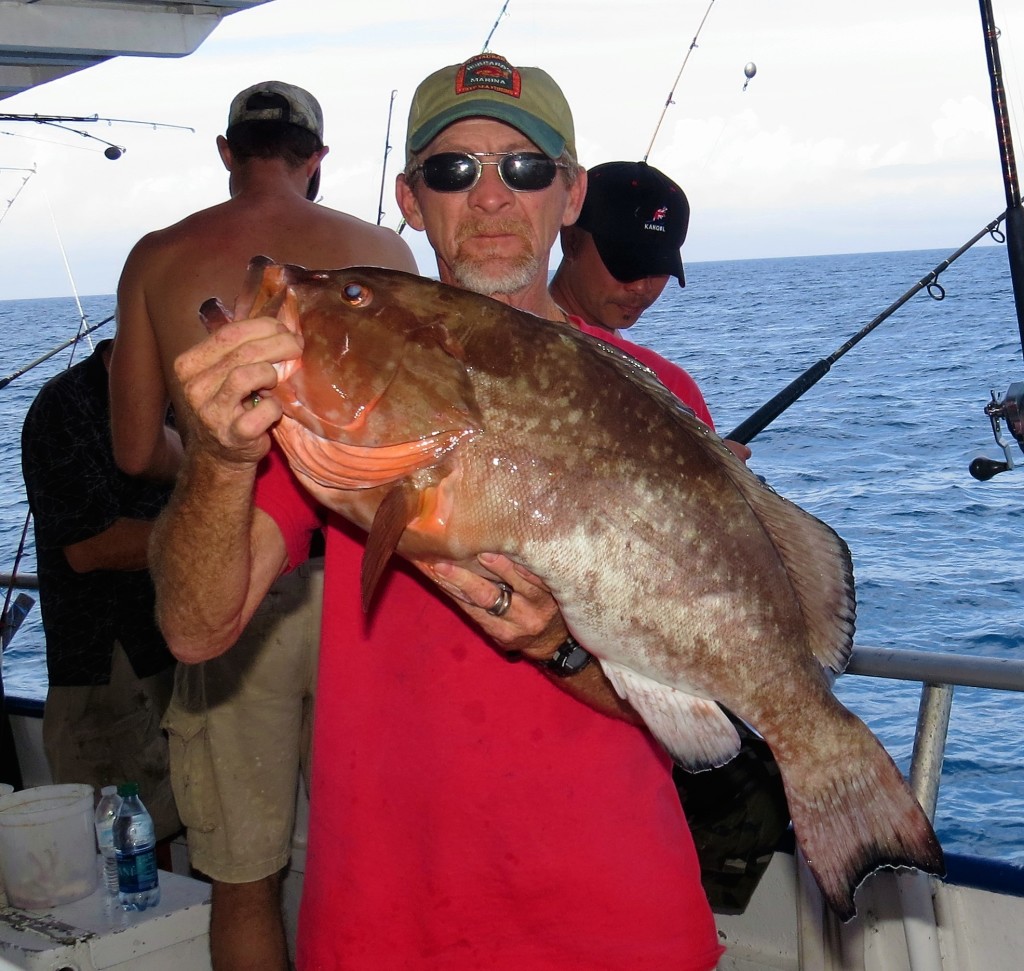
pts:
[633, 370]
[810, 551]
[694, 731]
[809, 548]
[396, 510]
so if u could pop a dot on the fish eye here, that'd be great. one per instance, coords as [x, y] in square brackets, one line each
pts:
[357, 295]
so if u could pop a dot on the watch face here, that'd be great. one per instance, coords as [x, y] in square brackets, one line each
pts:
[570, 658]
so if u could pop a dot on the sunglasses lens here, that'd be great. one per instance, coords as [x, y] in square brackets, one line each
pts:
[450, 172]
[457, 171]
[527, 171]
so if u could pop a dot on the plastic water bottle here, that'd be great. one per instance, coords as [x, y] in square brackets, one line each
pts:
[135, 845]
[106, 810]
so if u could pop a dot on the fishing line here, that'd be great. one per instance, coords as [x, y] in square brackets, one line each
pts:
[83, 319]
[768, 412]
[668, 100]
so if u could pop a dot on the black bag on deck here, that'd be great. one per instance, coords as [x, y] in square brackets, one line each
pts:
[737, 814]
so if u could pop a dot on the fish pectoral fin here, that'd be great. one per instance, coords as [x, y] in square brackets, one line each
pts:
[695, 731]
[398, 507]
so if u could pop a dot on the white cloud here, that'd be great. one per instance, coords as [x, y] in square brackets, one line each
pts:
[868, 126]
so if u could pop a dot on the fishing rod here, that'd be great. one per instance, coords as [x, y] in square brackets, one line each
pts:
[1009, 408]
[39, 360]
[668, 100]
[387, 152]
[112, 151]
[483, 50]
[487, 43]
[771, 410]
[14, 198]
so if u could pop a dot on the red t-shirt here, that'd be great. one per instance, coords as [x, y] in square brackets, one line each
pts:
[671, 375]
[466, 814]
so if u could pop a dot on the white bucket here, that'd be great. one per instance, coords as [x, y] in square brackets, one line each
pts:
[48, 845]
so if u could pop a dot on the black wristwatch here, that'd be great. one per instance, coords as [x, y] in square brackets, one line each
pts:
[570, 658]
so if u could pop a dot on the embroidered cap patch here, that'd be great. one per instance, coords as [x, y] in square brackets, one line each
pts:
[487, 73]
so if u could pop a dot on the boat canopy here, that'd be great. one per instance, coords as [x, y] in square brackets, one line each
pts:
[42, 40]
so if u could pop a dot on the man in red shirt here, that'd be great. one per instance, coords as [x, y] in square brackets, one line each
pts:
[467, 811]
[622, 251]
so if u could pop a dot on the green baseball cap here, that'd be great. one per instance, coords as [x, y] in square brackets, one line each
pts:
[487, 86]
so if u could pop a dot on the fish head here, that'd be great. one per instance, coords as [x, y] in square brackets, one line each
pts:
[381, 390]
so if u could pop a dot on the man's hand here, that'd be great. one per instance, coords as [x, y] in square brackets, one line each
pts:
[741, 451]
[532, 625]
[227, 379]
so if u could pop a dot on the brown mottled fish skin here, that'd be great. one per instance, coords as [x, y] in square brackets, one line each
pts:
[448, 424]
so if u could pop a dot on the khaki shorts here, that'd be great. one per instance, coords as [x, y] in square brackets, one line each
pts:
[240, 728]
[105, 734]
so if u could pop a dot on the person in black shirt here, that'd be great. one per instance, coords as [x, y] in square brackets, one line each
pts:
[110, 673]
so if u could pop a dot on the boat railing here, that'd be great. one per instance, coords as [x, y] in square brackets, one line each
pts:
[938, 672]
[20, 581]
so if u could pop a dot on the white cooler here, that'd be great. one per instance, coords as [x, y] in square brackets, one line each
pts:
[94, 933]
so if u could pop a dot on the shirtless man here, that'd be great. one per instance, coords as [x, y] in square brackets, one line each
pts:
[237, 723]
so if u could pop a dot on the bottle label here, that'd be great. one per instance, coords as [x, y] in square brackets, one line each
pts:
[136, 871]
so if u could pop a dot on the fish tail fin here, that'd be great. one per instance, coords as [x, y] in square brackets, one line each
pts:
[856, 814]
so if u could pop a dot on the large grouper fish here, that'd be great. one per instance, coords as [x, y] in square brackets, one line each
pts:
[447, 424]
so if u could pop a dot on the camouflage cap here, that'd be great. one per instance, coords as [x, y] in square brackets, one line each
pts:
[277, 101]
[487, 86]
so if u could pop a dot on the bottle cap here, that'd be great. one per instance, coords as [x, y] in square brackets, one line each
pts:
[108, 791]
[128, 789]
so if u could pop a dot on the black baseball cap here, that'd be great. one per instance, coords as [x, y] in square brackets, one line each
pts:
[638, 218]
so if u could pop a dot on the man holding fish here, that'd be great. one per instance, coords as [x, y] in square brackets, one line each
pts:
[465, 813]
[466, 810]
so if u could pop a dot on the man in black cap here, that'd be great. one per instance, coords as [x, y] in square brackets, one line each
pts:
[621, 251]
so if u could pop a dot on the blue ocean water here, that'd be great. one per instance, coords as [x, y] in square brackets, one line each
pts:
[879, 449]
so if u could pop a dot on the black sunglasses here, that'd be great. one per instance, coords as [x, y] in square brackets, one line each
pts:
[460, 171]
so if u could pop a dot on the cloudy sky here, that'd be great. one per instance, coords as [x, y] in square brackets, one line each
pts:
[867, 127]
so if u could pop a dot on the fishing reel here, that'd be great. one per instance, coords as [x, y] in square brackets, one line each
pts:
[1009, 409]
